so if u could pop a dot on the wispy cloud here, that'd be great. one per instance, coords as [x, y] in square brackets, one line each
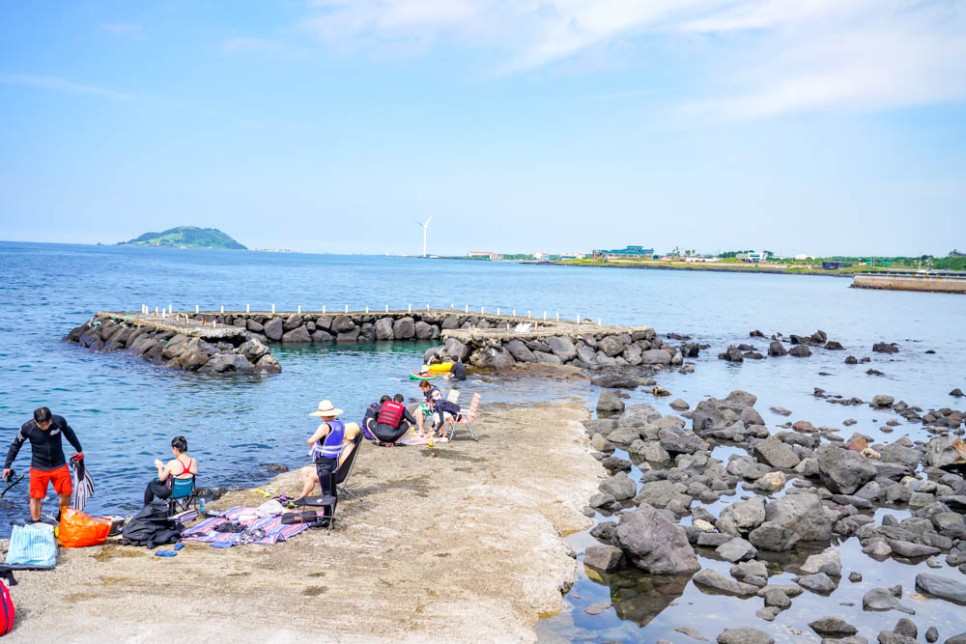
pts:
[126, 29]
[56, 84]
[748, 58]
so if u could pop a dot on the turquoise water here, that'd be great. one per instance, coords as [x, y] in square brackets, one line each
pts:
[126, 411]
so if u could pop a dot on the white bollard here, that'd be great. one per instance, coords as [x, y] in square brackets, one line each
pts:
[170, 309]
[514, 312]
[367, 308]
[300, 309]
[599, 322]
[578, 318]
[452, 307]
[466, 309]
[248, 308]
[323, 309]
[387, 308]
[498, 311]
[410, 308]
[222, 308]
[346, 308]
[558, 316]
[155, 311]
[482, 311]
[273, 309]
[544, 315]
[427, 307]
[528, 313]
[197, 309]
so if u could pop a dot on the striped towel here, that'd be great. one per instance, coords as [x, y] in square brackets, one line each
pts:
[273, 527]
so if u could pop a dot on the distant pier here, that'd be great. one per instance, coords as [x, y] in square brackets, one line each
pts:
[930, 281]
[238, 341]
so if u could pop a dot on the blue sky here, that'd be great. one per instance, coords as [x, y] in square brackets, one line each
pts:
[800, 126]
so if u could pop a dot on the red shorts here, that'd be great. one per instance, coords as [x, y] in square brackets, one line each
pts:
[60, 477]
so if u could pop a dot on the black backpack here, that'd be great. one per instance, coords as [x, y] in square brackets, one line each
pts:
[150, 527]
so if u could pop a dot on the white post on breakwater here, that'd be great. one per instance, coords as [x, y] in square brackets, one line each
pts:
[300, 309]
[367, 308]
[323, 309]
[273, 309]
[197, 309]
[544, 315]
[497, 311]
[482, 311]
[558, 316]
[248, 308]
[346, 308]
[410, 308]
[466, 308]
[528, 313]
[387, 308]
[222, 308]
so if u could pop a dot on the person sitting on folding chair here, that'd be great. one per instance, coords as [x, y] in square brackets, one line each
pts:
[181, 466]
[440, 408]
[309, 473]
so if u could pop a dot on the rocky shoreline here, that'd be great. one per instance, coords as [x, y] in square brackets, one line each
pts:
[800, 488]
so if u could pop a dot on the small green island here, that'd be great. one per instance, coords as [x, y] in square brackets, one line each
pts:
[187, 237]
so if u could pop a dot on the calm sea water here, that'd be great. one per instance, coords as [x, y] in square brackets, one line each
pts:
[126, 411]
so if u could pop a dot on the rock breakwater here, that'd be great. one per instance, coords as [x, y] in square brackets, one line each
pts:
[236, 342]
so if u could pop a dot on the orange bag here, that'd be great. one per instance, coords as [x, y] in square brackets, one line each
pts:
[78, 529]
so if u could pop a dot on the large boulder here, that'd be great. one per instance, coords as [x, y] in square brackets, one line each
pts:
[342, 324]
[610, 345]
[609, 403]
[425, 331]
[519, 351]
[656, 356]
[941, 451]
[773, 537]
[274, 329]
[404, 329]
[843, 471]
[496, 358]
[945, 587]
[638, 416]
[776, 453]
[619, 486]
[801, 513]
[298, 334]
[742, 517]
[455, 349]
[562, 347]
[654, 543]
[384, 329]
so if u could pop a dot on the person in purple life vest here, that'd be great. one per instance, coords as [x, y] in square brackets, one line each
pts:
[326, 443]
[392, 421]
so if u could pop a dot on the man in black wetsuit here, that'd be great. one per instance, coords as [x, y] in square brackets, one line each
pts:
[47, 463]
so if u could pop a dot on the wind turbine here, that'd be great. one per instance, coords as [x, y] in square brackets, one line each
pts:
[425, 227]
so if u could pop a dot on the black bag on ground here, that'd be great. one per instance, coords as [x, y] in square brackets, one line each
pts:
[150, 527]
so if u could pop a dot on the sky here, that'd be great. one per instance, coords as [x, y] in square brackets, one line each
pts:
[824, 127]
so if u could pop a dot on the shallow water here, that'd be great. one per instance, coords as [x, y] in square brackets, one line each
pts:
[126, 411]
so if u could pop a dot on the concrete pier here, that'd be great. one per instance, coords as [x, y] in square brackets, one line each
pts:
[930, 281]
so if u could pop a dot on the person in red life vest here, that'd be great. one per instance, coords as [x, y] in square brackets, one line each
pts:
[331, 444]
[48, 463]
[392, 421]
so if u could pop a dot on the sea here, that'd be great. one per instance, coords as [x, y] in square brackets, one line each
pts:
[126, 411]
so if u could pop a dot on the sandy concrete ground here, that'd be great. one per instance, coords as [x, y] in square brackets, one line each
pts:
[461, 542]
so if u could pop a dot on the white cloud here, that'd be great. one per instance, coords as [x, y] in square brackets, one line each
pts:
[128, 29]
[62, 85]
[749, 58]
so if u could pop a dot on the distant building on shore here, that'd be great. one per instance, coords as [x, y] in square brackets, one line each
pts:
[628, 252]
[484, 254]
[753, 257]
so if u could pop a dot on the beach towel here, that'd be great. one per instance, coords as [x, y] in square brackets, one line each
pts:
[266, 531]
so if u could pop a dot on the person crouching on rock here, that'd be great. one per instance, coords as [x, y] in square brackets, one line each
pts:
[181, 466]
[392, 421]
